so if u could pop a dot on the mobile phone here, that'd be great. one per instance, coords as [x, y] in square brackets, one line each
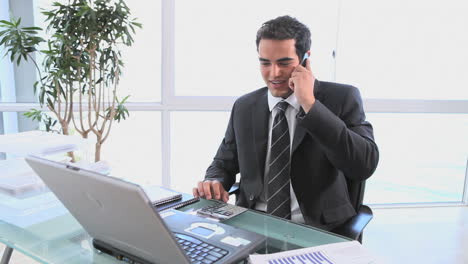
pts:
[306, 56]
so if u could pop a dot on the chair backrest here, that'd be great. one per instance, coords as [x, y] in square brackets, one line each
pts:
[353, 227]
[356, 192]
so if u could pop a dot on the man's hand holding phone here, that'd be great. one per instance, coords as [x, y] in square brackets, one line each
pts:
[211, 190]
[302, 83]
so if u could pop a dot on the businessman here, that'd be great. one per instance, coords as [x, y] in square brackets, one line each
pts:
[296, 141]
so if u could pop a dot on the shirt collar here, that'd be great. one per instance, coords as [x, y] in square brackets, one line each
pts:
[292, 100]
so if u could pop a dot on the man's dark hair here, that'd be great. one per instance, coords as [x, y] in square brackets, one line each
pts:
[286, 27]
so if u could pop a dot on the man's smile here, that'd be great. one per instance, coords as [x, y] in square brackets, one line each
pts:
[277, 83]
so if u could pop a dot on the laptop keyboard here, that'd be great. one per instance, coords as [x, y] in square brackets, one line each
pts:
[198, 251]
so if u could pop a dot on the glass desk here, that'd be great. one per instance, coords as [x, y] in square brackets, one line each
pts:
[62, 239]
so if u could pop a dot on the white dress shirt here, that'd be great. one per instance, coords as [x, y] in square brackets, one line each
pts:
[291, 112]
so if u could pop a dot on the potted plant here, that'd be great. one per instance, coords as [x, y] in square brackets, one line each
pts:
[82, 64]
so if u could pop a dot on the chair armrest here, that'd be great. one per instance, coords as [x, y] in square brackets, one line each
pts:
[354, 226]
[234, 189]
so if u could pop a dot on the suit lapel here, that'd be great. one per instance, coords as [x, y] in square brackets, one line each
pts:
[260, 116]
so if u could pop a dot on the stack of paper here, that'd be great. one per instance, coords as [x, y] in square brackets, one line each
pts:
[25, 200]
[17, 179]
[38, 143]
[336, 253]
[30, 210]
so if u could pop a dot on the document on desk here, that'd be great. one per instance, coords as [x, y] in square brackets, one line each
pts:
[337, 253]
[38, 143]
[17, 179]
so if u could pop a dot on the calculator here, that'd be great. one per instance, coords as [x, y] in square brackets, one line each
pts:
[221, 211]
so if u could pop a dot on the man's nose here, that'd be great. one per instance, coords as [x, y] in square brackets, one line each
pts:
[275, 71]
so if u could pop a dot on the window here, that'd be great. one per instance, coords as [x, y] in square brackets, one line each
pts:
[195, 138]
[221, 58]
[193, 58]
[137, 157]
[404, 49]
[422, 158]
[408, 61]
[141, 77]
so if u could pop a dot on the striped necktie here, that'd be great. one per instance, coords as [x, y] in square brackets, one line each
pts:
[278, 193]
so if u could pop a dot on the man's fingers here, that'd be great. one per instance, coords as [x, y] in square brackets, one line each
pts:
[201, 192]
[225, 197]
[207, 189]
[217, 189]
[210, 190]
[291, 84]
[195, 192]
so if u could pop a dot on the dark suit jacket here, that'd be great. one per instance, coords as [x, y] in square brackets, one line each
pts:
[332, 141]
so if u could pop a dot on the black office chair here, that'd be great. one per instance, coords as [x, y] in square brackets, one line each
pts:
[354, 227]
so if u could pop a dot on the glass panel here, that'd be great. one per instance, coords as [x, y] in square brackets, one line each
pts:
[7, 77]
[133, 148]
[202, 132]
[404, 49]
[16, 82]
[63, 240]
[281, 235]
[422, 158]
[141, 76]
[216, 52]
[14, 122]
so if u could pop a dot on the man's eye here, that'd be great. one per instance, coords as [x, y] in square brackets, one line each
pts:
[264, 63]
[284, 63]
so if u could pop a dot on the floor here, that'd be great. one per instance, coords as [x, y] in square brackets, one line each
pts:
[435, 235]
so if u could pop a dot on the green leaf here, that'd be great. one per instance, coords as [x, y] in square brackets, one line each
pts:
[137, 24]
[125, 99]
[50, 103]
[32, 28]
[35, 86]
[34, 114]
[7, 23]
[5, 39]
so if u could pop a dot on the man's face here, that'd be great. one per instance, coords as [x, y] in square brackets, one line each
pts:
[278, 59]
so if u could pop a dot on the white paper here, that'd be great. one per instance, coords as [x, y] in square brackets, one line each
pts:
[336, 253]
[30, 211]
[38, 143]
[18, 179]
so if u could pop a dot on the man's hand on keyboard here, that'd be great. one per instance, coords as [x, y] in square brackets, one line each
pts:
[211, 190]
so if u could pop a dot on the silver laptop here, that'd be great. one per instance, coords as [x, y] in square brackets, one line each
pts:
[120, 218]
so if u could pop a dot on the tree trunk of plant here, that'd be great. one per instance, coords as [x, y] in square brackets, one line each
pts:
[97, 154]
[65, 130]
